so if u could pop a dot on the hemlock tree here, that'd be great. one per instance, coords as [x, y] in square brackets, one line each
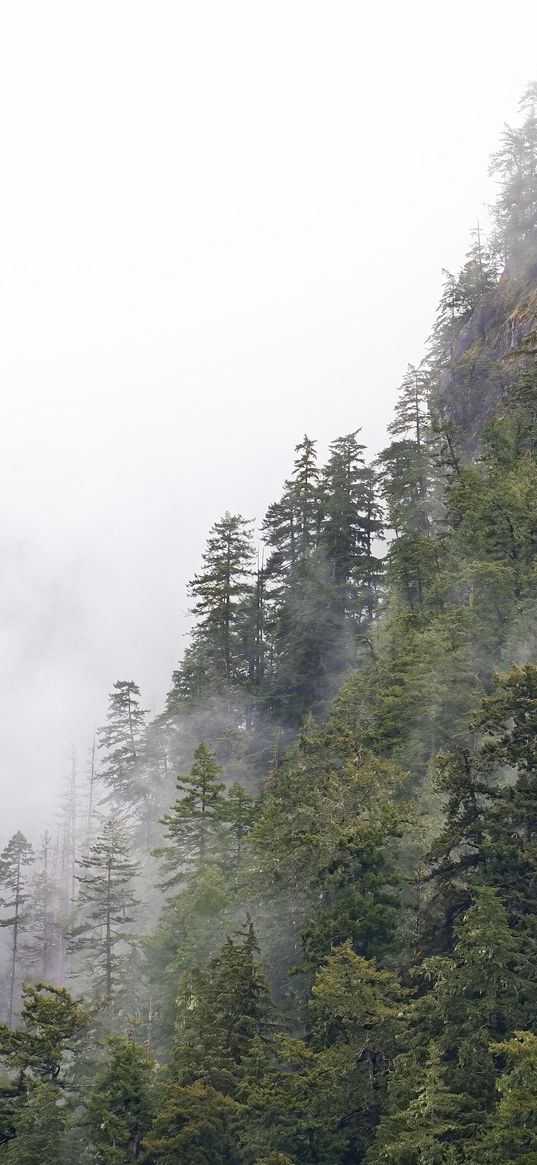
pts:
[15, 895]
[105, 908]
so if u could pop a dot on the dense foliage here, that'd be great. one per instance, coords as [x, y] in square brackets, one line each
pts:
[291, 921]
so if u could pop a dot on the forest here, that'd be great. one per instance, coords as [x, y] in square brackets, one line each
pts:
[291, 920]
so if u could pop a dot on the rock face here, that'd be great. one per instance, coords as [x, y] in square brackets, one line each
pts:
[488, 350]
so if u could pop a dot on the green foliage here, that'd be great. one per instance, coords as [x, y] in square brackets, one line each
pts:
[120, 1104]
[193, 1126]
[221, 1009]
[35, 1057]
[194, 820]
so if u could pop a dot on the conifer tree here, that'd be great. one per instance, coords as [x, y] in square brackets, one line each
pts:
[15, 896]
[105, 909]
[512, 1133]
[237, 813]
[305, 488]
[194, 1125]
[121, 741]
[220, 591]
[515, 163]
[120, 1104]
[43, 948]
[347, 525]
[221, 1010]
[36, 1056]
[194, 821]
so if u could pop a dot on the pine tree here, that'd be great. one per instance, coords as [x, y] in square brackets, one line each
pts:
[39, 1127]
[424, 1133]
[15, 896]
[106, 907]
[512, 1135]
[194, 821]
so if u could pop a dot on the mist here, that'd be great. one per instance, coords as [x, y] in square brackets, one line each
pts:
[221, 228]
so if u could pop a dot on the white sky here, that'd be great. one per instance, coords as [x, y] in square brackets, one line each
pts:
[221, 225]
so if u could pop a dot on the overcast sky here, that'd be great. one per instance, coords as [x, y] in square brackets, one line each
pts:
[222, 224]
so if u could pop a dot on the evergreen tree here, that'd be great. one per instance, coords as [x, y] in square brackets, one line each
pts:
[515, 163]
[220, 592]
[238, 813]
[512, 1133]
[39, 1127]
[36, 1056]
[121, 741]
[221, 1010]
[105, 909]
[194, 821]
[351, 519]
[120, 1104]
[305, 488]
[44, 944]
[15, 896]
[194, 1125]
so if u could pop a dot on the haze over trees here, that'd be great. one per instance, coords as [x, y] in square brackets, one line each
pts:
[291, 919]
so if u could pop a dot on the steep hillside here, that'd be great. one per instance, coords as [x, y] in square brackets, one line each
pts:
[487, 352]
[297, 909]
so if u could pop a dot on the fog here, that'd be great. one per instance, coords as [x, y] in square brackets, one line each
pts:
[222, 225]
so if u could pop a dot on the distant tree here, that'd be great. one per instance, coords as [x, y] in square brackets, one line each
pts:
[105, 908]
[220, 592]
[121, 742]
[515, 164]
[43, 947]
[349, 520]
[305, 488]
[237, 813]
[15, 896]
